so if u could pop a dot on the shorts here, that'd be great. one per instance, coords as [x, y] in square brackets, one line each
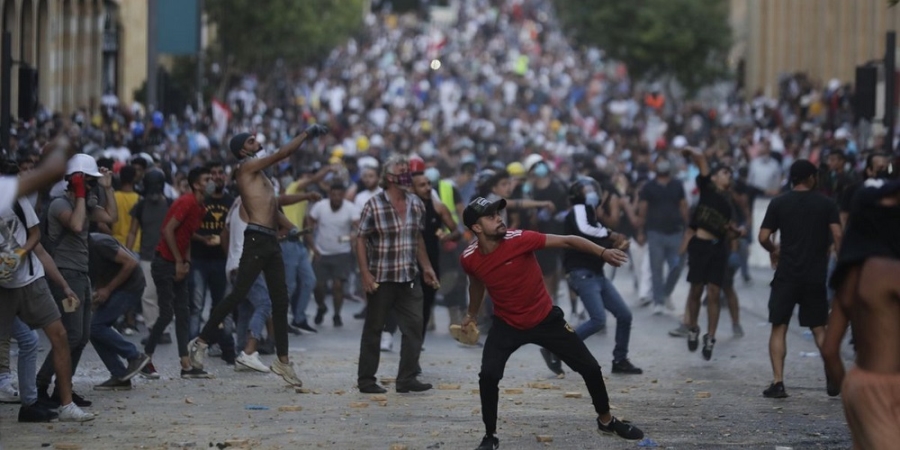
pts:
[333, 267]
[810, 296]
[707, 261]
[33, 304]
[550, 261]
[872, 407]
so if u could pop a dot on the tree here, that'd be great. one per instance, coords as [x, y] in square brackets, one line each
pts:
[687, 40]
[252, 35]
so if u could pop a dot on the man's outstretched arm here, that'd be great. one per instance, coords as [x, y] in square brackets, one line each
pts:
[258, 164]
[613, 257]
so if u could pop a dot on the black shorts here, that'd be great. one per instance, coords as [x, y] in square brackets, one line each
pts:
[812, 298]
[707, 261]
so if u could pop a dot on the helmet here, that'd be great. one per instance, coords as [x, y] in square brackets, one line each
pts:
[154, 182]
[515, 169]
[483, 176]
[416, 165]
[531, 160]
[579, 188]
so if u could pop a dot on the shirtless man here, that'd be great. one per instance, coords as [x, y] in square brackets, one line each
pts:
[868, 297]
[262, 252]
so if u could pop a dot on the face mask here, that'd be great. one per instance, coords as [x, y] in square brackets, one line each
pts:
[210, 187]
[541, 171]
[404, 179]
[592, 199]
[526, 189]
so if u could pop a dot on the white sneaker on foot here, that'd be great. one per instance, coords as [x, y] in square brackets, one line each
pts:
[387, 341]
[669, 304]
[251, 361]
[196, 351]
[658, 310]
[72, 413]
[286, 371]
[9, 394]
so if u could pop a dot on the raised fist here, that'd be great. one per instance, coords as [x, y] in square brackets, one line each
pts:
[78, 185]
[316, 130]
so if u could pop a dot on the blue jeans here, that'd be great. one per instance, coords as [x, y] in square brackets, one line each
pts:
[253, 312]
[663, 249]
[299, 277]
[109, 344]
[27, 362]
[209, 274]
[598, 293]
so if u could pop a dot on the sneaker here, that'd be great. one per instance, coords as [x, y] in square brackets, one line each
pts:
[251, 361]
[644, 302]
[286, 371]
[553, 362]
[291, 329]
[621, 429]
[129, 330]
[738, 330]
[79, 401]
[489, 442]
[775, 390]
[680, 332]
[305, 328]
[72, 413]
[194, 372]
[669, 304]
[9, 394]
[708, 344]
[413, 386]
[134, 366]
[372, 389]
[214, 351]
[114, 384]
[387, 341]
[149, 371]
[360, 315]
[625, 367]
[658, 309]
[338, 322]
[693, 339]
[196, 349]
[36, 413]
[320, 316]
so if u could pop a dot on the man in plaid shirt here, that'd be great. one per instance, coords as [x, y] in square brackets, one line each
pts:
[388, 246]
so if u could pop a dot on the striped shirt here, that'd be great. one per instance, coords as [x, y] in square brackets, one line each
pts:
[391, 240]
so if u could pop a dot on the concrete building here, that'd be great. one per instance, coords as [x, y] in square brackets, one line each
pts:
[825, 38]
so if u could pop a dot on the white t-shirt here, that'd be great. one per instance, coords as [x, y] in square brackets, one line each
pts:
[9, 190]
[363, 196]
[333, 228]
[236, 227]
[30, 268]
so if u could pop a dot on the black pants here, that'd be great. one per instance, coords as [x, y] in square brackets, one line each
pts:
[554, 334]
[262, 253]
[174, 300]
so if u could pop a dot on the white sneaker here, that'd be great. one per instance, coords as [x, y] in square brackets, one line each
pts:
[387, 341]
[251, 362]
[286, 371]
[72, 413]
[196, 351]
[669, 305]
[658, 310]
[9, 394]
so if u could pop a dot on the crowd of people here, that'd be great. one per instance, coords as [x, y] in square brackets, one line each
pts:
[411, 123]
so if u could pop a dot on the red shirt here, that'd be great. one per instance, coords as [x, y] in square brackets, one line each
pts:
[512, 277]
[189, 214]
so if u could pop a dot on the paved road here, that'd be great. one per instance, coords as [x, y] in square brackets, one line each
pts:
[681, 401]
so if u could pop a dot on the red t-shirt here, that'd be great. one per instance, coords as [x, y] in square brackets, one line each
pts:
[189, 213]
[512, 277]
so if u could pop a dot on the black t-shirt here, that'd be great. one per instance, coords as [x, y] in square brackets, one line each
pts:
[556, 193]
[714, 209]
[742, 188]
[663, 206]
[582, 221]
[213, 224]
[872, 230]
[804, 219]
[846, 200]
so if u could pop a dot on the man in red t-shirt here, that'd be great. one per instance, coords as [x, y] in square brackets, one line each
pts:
[502, 262]
[172, 264]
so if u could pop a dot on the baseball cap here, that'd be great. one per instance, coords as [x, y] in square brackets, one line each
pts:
[802, 169]
[84, 164]
[237, 143]
[481, 207]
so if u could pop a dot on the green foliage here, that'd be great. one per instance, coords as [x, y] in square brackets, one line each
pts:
[253, 34]
[687, 40]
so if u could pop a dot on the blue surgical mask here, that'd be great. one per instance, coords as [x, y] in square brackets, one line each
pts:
[526, 189]
[592, 199]
[541, 171]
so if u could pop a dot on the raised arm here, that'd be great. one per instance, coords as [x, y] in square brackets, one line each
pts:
[698, 158]
[252, 165]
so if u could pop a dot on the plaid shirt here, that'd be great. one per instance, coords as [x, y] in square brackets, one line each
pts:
[391, 242]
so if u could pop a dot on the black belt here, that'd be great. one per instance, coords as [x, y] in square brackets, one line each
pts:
[260, 229]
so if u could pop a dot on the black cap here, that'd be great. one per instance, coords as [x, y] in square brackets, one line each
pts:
[802, 169]
[237, 143]
[481, 207]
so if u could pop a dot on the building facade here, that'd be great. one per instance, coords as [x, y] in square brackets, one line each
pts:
[827, 39]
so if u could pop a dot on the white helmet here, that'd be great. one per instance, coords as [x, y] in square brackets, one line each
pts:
[84, 164]
[531, 160]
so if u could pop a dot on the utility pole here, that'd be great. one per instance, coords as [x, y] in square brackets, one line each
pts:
[152, 56]
[890, 89]
[6, 90]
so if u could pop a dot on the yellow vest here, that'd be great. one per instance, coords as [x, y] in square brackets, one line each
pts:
[445, 189]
